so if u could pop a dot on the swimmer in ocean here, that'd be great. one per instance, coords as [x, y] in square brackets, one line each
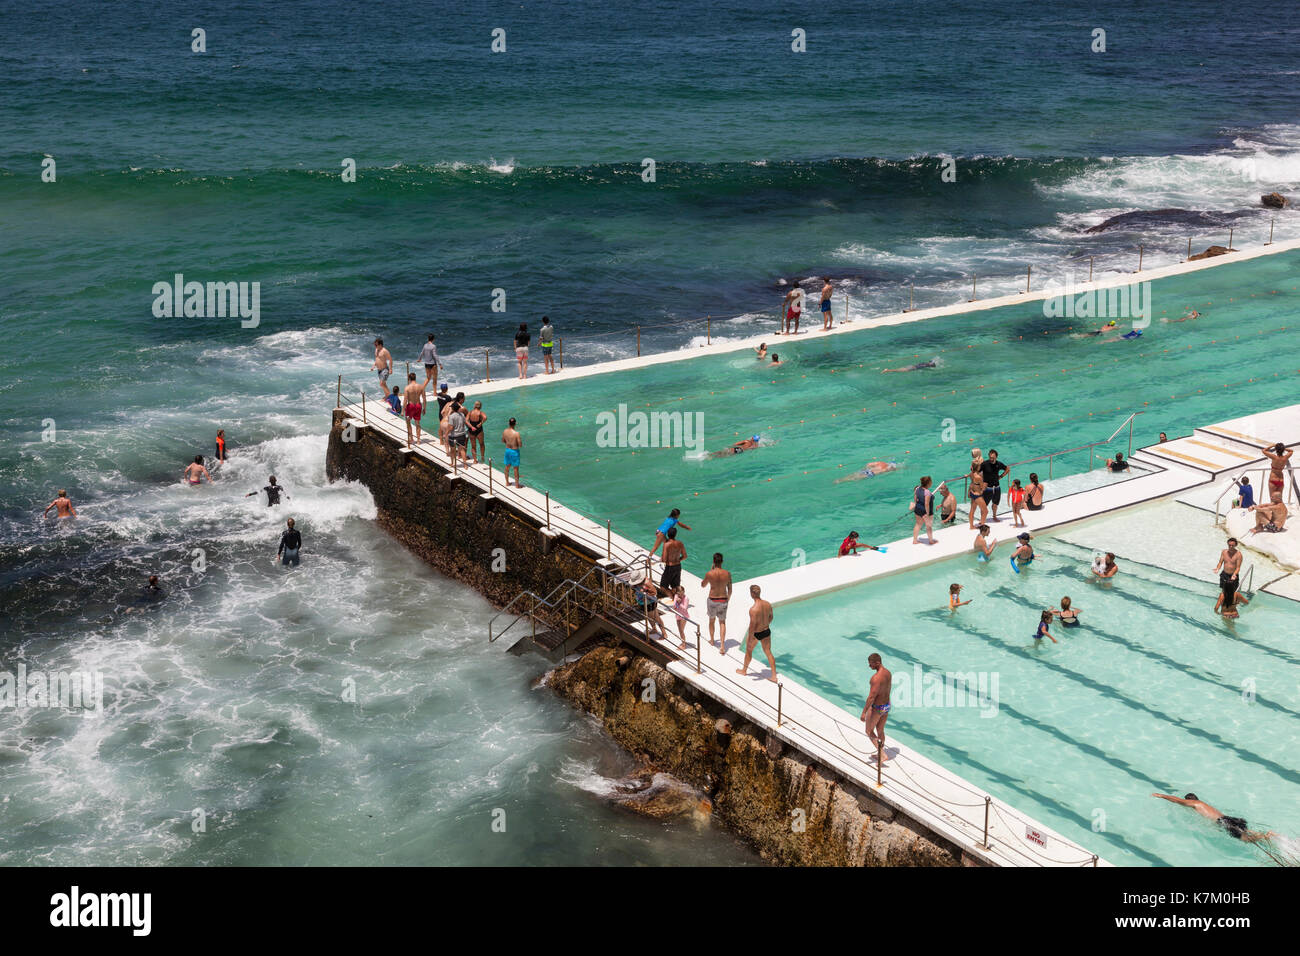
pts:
[62, 505]
[195, 472]
[912, 368]
[872, 469]
[745, 444]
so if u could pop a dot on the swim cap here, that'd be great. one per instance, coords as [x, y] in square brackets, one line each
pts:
[1110, 323]
[755, 438]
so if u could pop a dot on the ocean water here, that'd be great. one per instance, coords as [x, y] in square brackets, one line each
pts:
[519, 171]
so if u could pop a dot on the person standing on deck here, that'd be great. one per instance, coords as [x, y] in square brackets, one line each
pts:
[477, 446]
[674, 555]
[827, 319]
[759, 632]
[417, 403]
[876, 710]
[514, 443]
[718, 580]
[443, 398]
[923, 508]
[669, 523]
[547, 340]
[792, 308]
[1278, 456]
[459, 432]
[522, 338]
[992, 470]
[429, 356]
[382, 365]
[62, 505]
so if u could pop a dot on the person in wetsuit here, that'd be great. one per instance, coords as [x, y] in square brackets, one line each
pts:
[273, 492]
[290, 545]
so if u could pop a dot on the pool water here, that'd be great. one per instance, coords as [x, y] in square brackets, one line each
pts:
[1153, 693]
[828, 410]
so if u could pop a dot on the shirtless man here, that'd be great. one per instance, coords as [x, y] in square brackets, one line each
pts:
[827, 319]
[383, 365]
[947, 504]
[415, 402]
[674, 555]
[1278, 456]
[718, 581]
[1235, 826]
[1228, 567]
[195, 472]
[1271, 517]
[514, 443]
[792, 308]
[63, 505]
[876, 710]
[760, 632]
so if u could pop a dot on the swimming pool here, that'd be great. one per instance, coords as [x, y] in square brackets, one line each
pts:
[829, 409]
[1152, 693]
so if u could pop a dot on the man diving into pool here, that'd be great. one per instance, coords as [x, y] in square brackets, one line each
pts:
[872, 469]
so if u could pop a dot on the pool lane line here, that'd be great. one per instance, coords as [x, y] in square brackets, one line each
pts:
[849, 368]
[1007, 593]
[1105, 690]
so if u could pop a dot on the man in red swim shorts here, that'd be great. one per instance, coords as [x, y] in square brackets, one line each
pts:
[417, 401]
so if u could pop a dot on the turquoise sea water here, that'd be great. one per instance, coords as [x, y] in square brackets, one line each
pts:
[519, 171]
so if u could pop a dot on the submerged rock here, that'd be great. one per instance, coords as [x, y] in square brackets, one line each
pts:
[1210, 253]
[1275, 201]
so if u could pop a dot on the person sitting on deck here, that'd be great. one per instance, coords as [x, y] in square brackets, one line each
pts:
[647, 596]
[1245, 493]
[1270, 517]
[851, 544]
[395, 401]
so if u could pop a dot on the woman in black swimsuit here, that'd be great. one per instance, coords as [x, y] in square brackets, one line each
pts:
[1034, 494]
[474, 422]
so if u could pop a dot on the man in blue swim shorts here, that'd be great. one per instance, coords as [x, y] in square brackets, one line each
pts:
[876, 709]
[513, 442]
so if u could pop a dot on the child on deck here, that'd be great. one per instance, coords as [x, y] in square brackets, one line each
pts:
[395, 401]
[1017, 503]
[681, 605]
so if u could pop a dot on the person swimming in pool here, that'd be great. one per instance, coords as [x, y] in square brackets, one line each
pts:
[745, 444]
[1069, 614]
[1024, 553]
[872, 469]
[761, 351]
[1236, 827]
[933, 363]
[1187, 316]
[776, 360]
[1042, 632]
[1110, 326]
[984, 545]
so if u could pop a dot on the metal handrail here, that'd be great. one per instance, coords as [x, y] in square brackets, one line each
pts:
[1250, 577]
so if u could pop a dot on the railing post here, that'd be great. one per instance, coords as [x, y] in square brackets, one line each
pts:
[972, 286]
[609, 551]
[1140, 252]
[548, 510]
[1050, 460]
[487, 366]
[338, 395]
[699, 639]
[780, 687]
[638, 341]
[1230, 238]
[911, 289]
[1189, 249]
[1029, 271]
[1091, 451]
[489, 476]
[879, 763]
[1090, 258]
[1094, 860]
[987, 801]
[708, 334]
[559, 352]
[1130, 436]
[1270, 231]
[363, 406]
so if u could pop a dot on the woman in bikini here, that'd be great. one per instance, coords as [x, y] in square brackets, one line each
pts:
[475, 420]
[976, 489]
[1279, 456]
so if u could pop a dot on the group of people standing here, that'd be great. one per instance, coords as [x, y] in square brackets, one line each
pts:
[984, 490]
